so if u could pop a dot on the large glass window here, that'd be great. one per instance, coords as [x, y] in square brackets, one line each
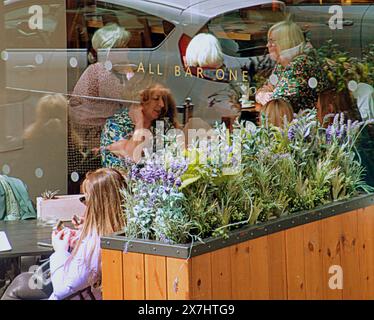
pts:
[243, 32]
[147, 30]
[17, 25]
[107, 82]
[38, 134]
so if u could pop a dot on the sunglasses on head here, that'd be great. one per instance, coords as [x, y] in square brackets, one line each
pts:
[83, 199]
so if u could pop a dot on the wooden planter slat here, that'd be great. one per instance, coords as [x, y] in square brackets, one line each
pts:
[201, 277]
[221, 274]
[178, 279]
[313, 260]
[366, 250]
[331, 253]
[258, 268]
[290, 264]
[350, 256]
[133, 276]
[112, 279]
[240, 265]
[277, 265]
[155, 281]
[295, 261]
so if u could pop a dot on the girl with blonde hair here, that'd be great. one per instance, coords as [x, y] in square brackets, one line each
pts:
[75, 265]
[297, 77]
[71, 272]
[51, 116]
[278, 112]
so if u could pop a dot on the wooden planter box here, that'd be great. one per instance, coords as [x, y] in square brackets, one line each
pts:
[287, 258]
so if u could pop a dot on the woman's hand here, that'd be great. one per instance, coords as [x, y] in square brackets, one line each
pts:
[265, 88]
[119, 148]
[263, 97]
[137, 116]
[77, 225]
[95, 151]
[75, 235]
[61, 240]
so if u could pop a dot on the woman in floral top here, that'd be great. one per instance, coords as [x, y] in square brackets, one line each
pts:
[297, 77]
[117, 137]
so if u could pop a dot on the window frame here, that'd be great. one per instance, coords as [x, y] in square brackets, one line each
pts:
[166, 36]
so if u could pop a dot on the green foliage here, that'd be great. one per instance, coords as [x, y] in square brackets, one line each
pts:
[341, 68]
[249, 176]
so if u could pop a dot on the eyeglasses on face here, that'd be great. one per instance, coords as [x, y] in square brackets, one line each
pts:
[272, 42]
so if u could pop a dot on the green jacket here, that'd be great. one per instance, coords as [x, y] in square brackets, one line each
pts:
[26, 207]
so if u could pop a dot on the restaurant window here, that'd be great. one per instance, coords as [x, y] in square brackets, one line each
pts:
[243, 32]
[32, 116]
[18, 33]
[90, 88]
[147, 31]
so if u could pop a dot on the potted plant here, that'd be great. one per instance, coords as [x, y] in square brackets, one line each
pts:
[52, 207]
[187, 212]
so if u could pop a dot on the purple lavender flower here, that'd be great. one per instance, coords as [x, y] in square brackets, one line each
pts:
[337, 133]
[349, 124]
[179, 167]
[162, 237]
[170, 179]
[228, 149]
[126, 162]
[307, 133]
[134, 173]
[336, 120]
[284, 156]
[341, 119]
[291, 133]
[234, 161]
[178, 182]
[153, 173]
[329, 132]
[340, 133]
[355, 126]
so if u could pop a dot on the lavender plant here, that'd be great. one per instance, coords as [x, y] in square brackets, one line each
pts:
[277, 171]
[153, 207]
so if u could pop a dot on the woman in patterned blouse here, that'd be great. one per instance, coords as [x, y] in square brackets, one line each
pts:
[117, 138]
[297, 77]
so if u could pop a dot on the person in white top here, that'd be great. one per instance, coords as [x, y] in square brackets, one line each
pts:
[76, 263]
[365, 100]
[71, 272]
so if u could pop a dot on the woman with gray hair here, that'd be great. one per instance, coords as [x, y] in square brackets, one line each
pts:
[204, 50]
[297, 77]
[94, 99]
[205, 58]
[99, 81]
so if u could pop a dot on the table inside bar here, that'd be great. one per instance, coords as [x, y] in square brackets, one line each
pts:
[23, 236]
